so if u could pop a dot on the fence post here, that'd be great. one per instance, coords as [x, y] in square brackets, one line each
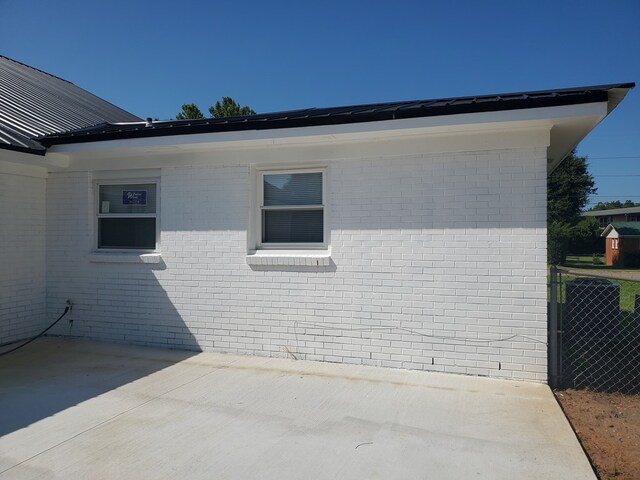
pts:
[554, 357]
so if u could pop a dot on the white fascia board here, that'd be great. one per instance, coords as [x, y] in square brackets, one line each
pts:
[609, 229]
[45, 161]
[440, 125]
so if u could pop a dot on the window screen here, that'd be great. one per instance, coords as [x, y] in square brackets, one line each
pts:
[292, 208]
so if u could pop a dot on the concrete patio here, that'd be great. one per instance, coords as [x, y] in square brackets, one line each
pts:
[77, 410]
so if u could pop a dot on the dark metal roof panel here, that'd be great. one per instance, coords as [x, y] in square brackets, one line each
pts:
[342, 115]
[34, 103]
[627, 229]
[12, 140]
[611, 211]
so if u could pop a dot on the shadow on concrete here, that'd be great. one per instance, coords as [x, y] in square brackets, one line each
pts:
[112, 303]
[53, 374]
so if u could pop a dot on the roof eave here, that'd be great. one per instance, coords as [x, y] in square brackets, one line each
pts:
[615, 95]
[607, 230]
[334, 116]
[534, 121]
[17, 148]
[611, 211]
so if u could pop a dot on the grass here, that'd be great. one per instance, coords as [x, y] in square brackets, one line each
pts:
[628, 288]
[587, 262]
[628, 291]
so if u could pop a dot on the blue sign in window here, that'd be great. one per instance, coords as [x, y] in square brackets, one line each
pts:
[134, 197]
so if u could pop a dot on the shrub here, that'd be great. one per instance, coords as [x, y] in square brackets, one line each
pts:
[585, 237]
[558, 235]
[632, 259]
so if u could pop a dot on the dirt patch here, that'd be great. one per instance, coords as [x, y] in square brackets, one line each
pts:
[608, 425]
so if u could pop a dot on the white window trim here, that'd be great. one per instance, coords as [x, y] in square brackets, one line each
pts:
[258, 206]
[97, 215]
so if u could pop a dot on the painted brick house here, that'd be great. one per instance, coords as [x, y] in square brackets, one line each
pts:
[605, 217]
[406, 234]
[622, 244]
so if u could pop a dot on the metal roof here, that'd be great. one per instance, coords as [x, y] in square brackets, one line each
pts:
[611, 211]
[624, 229]
[343, 115]
[34, 103]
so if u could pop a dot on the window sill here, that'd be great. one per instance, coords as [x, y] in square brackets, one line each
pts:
[116, 257]
[301, 258]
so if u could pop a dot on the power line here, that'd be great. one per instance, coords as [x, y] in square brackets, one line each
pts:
[595, 175]
[612, 158]
[620, 175]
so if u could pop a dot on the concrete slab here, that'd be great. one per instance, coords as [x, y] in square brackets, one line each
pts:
[75, 409]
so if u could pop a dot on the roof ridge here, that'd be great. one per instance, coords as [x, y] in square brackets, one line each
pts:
[37, 69]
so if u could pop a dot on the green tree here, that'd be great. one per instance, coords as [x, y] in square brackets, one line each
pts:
[568, 191]
[614, 204]
[584, 237]
[229, 108]
[189, 111]
[569, 188]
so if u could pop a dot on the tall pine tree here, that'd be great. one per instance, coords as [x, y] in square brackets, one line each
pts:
[229, 108]
[189, 111]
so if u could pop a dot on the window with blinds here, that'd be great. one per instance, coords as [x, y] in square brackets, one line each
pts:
[292, 208]
[127, 216]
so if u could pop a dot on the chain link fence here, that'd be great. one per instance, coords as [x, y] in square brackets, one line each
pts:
[594, 332]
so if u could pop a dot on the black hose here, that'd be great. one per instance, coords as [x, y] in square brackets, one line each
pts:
[27, 342]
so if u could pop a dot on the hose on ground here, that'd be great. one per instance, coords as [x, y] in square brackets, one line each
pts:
[27, 342]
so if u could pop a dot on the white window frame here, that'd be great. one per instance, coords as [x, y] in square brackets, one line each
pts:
[260, 208]
[97, 215]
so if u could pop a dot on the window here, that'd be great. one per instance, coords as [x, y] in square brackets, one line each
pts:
[604, 221]
[127, 216]
[292, 210]
[614, 243]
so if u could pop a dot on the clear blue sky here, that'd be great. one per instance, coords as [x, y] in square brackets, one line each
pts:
[149, 57]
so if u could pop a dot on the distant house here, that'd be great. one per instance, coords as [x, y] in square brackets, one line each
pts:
[407, 234]
[622, 243]
[605, 217]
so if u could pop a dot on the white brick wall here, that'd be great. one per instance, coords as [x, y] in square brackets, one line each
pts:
[22, 256]
[423, 249]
